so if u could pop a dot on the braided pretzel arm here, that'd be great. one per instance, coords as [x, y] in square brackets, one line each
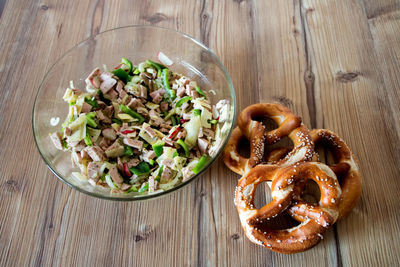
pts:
[314, 219]
[288, 125]
[346, 168]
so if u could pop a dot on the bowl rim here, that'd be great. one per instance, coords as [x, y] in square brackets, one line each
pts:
[147, 196]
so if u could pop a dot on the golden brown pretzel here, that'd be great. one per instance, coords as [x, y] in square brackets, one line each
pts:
[288, 125]
[346, 168]
[314, 219]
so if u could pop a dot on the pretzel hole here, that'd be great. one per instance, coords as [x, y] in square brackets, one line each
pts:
[326, 154]
[283, 142]
[268, 123]
[244, 148]
[311, 193]
[262, 197]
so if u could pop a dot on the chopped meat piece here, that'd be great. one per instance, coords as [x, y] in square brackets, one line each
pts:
[143, 91]
[115, 176]
[108, 111]
[190, 91]
[104, 143]
[209, 133]
[142, 111]
[84, 154]
[164, 106]
[150, 131]
[93, 171]
[166, 126]
[120, 89]
[77, 91]
[67, 131]
[144, 77]
[56, 138]
[135, 103]
[187, 172]
[106, 75]
[109, 133]
[164, 130]
[157, 120]
[166, 174]
[133, 162]
[100, 116]
[102, 105]
[95, 152]
[127, 99]
[133, 143]
[107, 84]
[181, 134]
[86, 108]
[113, 94]
[157, 96]
[125, 187]
[168, 162]
[115, 150]
[149, 155]
[153, 184]
[203, 144]
[89, 79]
[168, 141]
[183, 81]
[120, 165]
[181, 91]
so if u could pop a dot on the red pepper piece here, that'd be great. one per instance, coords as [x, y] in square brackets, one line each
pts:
[183, 121]
[117, 67]
[126, 170]
[128, 131]
[175, 132]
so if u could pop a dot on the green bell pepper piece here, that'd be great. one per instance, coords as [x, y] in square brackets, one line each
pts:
[200, 92]
[132, 113]
[158, 147]
[141, 168]
[122, 75]
[128, 150]
[128, 63]
[200, 165]
[184, 146]
[92, 102]
[196, 112]
[165, 77]
[182, 101]
[90, 119]
[144, 187]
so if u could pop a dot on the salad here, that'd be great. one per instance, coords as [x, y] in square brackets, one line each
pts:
[140, 128]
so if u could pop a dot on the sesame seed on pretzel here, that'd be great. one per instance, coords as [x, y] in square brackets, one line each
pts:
[288, 125]
[314, 219]
[346, 168]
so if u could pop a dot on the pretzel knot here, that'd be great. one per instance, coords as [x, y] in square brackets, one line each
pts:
[346, 168]
[288, 125]
[285, 191]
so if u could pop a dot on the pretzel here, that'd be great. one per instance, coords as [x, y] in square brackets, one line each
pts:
[288, 125]
[314, 219]
[346, 168]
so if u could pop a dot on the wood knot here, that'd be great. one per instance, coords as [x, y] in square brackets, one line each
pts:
[145, 233]
[309, 76]
[235, 236]
[283, 100]
[156, 18]
[12, 186]
[346, 77]
[44, 7]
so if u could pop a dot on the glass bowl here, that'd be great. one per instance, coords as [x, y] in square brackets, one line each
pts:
[138, 43]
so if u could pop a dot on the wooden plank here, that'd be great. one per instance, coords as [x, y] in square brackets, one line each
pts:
[375, 9]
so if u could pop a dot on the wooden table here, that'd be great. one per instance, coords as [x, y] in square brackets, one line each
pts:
[335, 63]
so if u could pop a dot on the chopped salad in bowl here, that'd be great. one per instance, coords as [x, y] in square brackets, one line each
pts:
[140, 129]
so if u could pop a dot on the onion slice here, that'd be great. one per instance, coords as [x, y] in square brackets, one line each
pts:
[164, 59]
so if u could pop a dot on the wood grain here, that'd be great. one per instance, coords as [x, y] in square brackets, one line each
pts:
[335, 63]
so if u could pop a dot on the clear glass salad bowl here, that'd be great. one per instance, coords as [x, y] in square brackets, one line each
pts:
[138, 43]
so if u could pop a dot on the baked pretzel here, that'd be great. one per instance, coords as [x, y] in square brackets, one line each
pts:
[288, 125]
[346, 168]
[314, 219]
